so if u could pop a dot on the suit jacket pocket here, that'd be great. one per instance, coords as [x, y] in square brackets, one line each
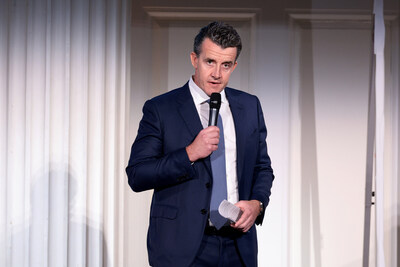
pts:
[164, 211]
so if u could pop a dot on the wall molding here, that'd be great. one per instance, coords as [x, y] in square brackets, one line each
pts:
[197, 13]
[337, 19]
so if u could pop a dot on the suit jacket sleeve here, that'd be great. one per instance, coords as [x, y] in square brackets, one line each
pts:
[149, 166]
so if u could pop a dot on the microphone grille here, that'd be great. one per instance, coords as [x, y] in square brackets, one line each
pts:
[215, 100]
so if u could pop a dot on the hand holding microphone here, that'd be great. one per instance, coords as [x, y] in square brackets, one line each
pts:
[207, 140]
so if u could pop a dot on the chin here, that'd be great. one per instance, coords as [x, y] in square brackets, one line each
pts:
[215, 90]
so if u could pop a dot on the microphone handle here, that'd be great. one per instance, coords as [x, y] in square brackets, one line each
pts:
[213, 119]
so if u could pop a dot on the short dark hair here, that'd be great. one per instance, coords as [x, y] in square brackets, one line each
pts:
[219, 33]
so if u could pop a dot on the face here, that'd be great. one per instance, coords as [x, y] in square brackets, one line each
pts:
[213, 66]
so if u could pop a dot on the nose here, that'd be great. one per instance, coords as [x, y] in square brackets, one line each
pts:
[216, 74]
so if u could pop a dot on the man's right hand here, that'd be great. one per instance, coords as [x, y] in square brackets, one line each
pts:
[204, 144]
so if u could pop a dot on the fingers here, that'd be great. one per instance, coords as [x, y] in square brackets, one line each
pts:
[243, 226]
[209, 136]
[245, 222]
[250, 213]
[204, 144]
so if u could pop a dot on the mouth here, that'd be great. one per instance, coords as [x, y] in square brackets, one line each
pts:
[214, 83]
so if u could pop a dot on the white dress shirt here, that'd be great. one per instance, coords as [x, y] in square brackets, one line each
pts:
[200, 100]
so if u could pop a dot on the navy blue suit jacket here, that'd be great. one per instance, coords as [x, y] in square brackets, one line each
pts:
[182, 191]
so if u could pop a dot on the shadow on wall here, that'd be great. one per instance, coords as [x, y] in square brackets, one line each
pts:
[398, 239]
[57, 231]
[398, 163]
[311, 225]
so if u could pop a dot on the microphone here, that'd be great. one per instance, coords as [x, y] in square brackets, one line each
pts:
[215, 104]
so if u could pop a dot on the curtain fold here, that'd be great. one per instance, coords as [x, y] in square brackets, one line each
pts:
[63, 67]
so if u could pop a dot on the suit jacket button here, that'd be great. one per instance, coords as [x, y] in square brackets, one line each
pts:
[208, 185]
[203, 211]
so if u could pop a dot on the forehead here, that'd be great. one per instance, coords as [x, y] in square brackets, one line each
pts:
[211, 50]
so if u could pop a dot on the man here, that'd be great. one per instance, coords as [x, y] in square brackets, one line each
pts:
[173, 154]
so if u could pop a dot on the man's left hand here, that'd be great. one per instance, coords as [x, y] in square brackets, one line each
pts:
[250, 209]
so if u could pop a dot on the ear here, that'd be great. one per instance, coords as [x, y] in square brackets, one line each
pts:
[194, 59]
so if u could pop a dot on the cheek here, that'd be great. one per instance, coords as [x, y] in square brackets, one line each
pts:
[205, 74]
[227, 75]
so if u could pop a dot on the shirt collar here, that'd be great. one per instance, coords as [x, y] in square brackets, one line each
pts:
[199, 96]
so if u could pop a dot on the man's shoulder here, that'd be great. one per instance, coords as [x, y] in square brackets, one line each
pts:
[235, 94]
[173, 95]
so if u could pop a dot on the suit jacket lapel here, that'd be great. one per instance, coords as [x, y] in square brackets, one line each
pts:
[239, 120]
[188, 112]
[190, 116]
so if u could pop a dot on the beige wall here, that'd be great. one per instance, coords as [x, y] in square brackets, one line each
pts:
[312, 77]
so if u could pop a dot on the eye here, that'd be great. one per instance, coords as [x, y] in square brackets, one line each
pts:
[227, 65]
[209, 62]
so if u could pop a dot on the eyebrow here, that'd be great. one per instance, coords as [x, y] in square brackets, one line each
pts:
[209, 59]
[213, 60]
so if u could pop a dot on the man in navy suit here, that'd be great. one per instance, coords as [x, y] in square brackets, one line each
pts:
[172, 151]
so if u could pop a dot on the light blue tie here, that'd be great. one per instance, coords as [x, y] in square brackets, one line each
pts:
[219, 179]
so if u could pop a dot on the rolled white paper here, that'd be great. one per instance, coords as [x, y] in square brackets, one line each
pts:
[229, 211]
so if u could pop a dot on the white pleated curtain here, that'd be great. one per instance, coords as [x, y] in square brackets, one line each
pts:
[62, 115]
